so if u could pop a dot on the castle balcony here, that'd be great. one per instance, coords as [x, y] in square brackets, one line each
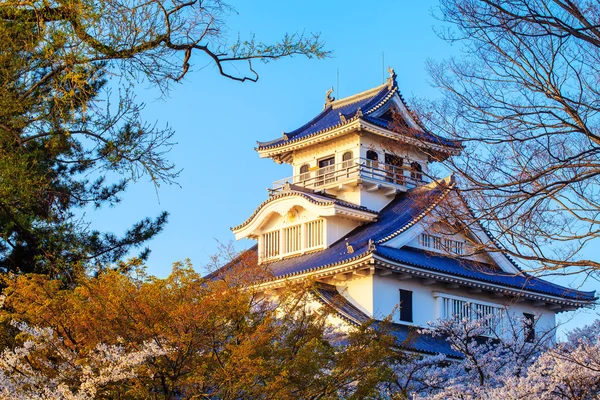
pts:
[372, 175]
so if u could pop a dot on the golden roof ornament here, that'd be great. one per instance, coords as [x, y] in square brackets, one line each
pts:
[349, 247]
[392, 78]
[328, 97]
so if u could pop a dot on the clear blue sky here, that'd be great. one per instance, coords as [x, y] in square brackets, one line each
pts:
[218, 121]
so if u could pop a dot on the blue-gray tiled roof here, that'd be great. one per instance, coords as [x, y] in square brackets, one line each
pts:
[407, 337]
[330, 118]
[478, 271]
[403, 212]
[400, 214]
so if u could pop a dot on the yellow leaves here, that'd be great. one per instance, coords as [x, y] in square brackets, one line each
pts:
[224, 339]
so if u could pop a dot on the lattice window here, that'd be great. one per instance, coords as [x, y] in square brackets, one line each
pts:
[271, 244]
[314, 233]
[491, 315]
[292, 238]
[435, 242]
[304, 173]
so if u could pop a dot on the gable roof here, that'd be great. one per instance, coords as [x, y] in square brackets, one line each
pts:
[359, 106]
[478, 271]
[403, 212]
[406, 210]
[314, 198]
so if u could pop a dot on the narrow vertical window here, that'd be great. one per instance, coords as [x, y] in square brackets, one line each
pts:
[314, 233]
[271, 244]
[292, 239]
[347, 159]
[416, 172]
[304, 174]
[529, 328]
[406, 312]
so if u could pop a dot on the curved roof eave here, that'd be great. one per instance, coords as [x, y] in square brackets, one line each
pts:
[312, 198]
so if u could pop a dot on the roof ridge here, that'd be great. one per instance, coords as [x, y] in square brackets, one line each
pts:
[357, 97]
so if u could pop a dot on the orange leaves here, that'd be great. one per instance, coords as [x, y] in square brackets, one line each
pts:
[219, 337]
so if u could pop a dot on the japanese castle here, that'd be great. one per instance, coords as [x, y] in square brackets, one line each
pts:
[361, 221]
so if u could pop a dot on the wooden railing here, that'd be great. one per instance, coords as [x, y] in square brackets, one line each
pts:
[355, 168]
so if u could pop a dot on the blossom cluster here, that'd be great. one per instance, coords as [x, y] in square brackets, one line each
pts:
[505, 365]
[44, 368]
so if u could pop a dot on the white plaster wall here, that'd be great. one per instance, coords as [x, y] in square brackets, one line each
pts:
[337, 228]
[359, 291]
[386, 297]
[335, 147]
[369, 141]
[374, 200]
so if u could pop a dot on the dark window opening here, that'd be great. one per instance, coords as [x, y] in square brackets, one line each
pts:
[394, 170]
[406, 308]
[326, 171]
[372, 155]
[416, 172]
[529, 328]
[372, 162]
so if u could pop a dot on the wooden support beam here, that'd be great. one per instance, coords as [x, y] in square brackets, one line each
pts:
[474, 290]
[361, 272]
[519, 299]
[539, 303]
[329, 280]
[555, 307]
[428, 281]
[496, 295]
[404, 277]
[374, 188]
[340, 277]
[452, 285]
[391, 192]
[385, 272]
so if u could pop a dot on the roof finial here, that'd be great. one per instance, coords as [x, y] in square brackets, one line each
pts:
[328, 97]
[349, 247]
[392, 78]
[371, 245]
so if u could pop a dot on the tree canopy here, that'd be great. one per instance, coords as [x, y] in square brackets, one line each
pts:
[71, 133]
[189, 338]
[523, 100]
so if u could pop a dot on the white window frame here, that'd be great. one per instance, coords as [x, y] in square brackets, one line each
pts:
[441, 243]
[445, 301]
[302, 242]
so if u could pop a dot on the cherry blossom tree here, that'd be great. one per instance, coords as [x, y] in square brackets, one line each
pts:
[503, 362]
[44, 368]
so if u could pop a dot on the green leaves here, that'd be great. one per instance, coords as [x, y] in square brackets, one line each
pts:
[68, 142]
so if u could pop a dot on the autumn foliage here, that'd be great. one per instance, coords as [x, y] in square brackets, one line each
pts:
[213, 338]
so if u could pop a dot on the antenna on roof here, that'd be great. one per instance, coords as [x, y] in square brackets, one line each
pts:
[337, 82]
[382, 67]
